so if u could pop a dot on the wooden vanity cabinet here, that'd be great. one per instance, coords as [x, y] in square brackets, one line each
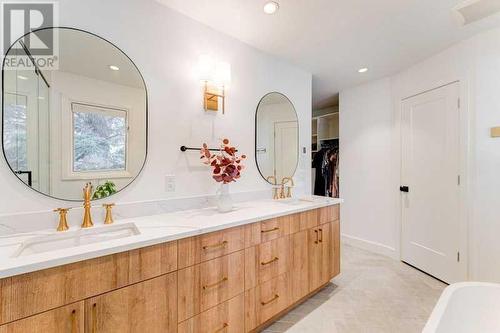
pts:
[234, 280]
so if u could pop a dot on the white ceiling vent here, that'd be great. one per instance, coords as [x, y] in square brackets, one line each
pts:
[471, 11]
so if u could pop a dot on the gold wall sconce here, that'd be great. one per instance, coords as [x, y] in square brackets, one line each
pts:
[215, 76]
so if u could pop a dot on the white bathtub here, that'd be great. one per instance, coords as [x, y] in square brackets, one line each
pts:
[469, 307]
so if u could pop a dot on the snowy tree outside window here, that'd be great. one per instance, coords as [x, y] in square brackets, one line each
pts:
[15, 134]
[99, 139]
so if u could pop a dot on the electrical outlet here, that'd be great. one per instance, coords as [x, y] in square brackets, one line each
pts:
[170, 183]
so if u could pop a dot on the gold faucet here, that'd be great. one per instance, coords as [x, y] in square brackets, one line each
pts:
[63, 221]
[109, 217]
[275, 189]
[289, 188]
[87, 217]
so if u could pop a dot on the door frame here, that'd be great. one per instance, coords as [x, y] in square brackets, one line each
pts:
[464, 167]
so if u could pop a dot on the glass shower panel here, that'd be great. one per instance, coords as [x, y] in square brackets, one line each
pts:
[43, 136]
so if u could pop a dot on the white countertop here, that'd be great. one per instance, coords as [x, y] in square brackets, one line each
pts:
[154, 229]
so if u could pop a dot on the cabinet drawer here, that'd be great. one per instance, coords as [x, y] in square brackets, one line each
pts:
[329, 214]
[266, 261]
[265, 231]
[210, 283]
[65, 319]
[308, 219]
[32, 293]
[194, 250]
[266, 300]
[228, 317]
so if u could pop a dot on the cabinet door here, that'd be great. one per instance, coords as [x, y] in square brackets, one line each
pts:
[149, 306]
[64, 319]
[324, 254]
[299, 247]
[315, 254]
[335, 248]
[327, 253]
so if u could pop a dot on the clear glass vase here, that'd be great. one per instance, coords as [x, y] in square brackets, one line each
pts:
[223, 199]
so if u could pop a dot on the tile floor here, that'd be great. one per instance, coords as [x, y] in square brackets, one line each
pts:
[372, 294]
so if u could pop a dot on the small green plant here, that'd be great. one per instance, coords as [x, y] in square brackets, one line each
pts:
[104, 190]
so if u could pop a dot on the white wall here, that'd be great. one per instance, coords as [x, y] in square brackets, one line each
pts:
[67, 88]
[476, 64]
[366, 169]
[165, 47]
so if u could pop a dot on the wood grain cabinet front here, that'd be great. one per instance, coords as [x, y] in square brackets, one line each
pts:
[149, 306]
[266, 261]
[228, 317]
[67, 319]
[210, 283]
[32, 293]
[329, 214]
[268, 230]
[194, 250]
[266, 300]
[299, 262]
[322, 249]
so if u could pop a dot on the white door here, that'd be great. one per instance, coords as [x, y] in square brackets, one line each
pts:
[286, 147]
[430, 238]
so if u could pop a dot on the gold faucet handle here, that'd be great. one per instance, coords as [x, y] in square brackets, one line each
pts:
[282, 191]
[109, 215]
[63, 221]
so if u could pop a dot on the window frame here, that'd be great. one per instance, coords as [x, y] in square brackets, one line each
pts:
[67, 133]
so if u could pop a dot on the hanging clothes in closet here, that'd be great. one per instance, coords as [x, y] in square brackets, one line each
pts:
[326, 163]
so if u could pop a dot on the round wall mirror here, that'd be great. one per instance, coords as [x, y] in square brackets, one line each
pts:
[74, 114]
[276, 138]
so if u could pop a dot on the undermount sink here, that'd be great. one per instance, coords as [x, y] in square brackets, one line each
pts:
[70, 239]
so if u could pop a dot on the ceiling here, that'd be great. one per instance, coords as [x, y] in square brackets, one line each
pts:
[334, 38]
[87, 55]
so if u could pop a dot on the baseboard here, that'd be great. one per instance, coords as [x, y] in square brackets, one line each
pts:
[370, 246]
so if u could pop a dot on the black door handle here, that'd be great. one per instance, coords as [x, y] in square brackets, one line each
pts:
[405, 189]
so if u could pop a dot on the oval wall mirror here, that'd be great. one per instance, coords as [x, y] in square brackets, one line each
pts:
[276, 138]
[81, 120]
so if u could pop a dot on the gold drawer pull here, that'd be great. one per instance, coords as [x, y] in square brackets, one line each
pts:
[270, 230]
[94, 318]
[224, 279]
[264, 263]
[221, 244]
[226, 325]
[73, 321]
[276, 296]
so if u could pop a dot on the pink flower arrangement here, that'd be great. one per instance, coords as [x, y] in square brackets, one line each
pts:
[226, 164]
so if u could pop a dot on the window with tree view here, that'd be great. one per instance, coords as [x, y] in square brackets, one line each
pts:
[14, 135]
[99, 138]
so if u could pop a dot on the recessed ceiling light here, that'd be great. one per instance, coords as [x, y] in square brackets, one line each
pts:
[271, 7]
[20, 77]
[114, 68]
[363, 70]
